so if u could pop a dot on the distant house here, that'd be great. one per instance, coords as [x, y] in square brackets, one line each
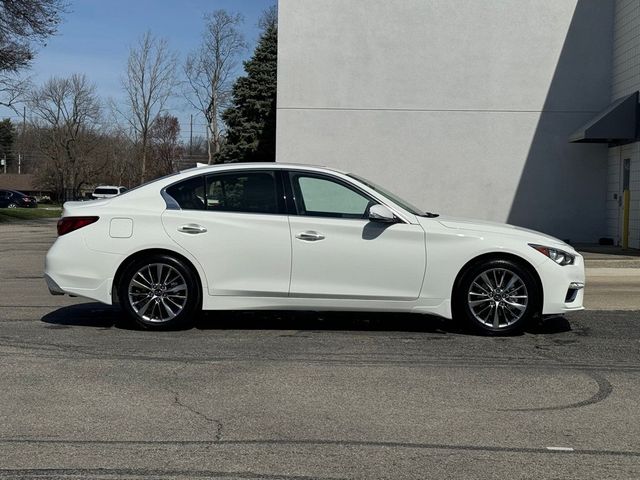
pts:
[24, 183]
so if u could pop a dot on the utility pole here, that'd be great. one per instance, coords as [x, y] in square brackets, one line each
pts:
[24, 129]
[4, 162]
[191, 137]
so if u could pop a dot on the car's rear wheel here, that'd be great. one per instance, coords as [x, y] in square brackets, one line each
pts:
[496, 296]
[159, 292]
[12, 205]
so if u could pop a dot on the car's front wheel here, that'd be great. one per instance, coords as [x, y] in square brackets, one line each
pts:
[496, 296]
[12, 205]
[159, 292]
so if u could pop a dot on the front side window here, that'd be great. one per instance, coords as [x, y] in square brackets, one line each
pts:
[318, 196]
[247, 192]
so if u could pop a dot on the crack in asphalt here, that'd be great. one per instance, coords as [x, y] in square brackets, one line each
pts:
[217, 423]
[180, 403]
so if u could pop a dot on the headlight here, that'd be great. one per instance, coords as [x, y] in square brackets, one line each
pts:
[559, 256]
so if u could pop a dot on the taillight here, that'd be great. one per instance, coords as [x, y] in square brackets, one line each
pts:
[69, 224]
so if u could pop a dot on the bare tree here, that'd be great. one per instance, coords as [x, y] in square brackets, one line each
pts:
[66, 115]
[13, 89]
[209, 72]
[164, 144]
[149, 83]
[22, 24]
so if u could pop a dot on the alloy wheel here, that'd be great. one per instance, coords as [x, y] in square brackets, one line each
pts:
[157, 292]
[498, 298]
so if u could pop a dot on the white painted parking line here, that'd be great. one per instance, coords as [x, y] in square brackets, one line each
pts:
[560, 449]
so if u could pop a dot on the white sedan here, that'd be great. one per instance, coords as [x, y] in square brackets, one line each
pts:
[276, 236]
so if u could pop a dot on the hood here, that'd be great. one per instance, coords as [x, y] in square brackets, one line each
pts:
[499, 228]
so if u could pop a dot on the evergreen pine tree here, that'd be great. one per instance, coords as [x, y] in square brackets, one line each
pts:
[251, 120]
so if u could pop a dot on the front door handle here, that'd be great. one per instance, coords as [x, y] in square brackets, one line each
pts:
[192, 228]
[310, 236]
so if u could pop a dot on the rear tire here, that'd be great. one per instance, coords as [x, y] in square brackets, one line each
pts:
[496, 296]
[12, 205]
[160, 292]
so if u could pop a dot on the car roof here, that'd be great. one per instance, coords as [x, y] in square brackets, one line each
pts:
[261, 165]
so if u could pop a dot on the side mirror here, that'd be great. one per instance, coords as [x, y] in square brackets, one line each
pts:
[380, 213]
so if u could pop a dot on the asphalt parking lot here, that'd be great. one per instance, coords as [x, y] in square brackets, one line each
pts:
[300, 396]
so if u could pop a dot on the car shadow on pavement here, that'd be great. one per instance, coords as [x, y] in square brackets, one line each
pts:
[103, 316]
[92, 314]
[356, 321]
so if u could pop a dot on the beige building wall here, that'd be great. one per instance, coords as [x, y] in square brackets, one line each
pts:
[626, 80]
[462, 106]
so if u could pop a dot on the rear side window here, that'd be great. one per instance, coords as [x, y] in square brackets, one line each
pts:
[248, 192]
[244, 192]
[189, 194]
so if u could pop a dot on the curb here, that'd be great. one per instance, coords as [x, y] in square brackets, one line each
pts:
[612, 271]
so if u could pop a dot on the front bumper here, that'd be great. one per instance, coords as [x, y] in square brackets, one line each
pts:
[563, 286]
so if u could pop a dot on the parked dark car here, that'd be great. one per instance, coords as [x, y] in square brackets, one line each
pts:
[14, 199]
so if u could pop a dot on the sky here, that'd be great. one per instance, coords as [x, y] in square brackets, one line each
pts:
[96, 35]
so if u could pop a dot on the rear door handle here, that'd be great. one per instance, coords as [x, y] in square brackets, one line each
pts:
[310, 236]
[192, 228]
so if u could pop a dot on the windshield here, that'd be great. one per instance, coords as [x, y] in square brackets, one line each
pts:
[391, 196]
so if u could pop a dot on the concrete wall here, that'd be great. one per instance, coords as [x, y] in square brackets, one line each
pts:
[462, 106]
[626, 80]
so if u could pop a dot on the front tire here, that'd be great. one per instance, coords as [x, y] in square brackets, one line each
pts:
[496, 296]
[159, 292]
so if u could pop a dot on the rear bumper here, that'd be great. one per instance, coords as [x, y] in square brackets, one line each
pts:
[54, 288]
[71, 268]
[563, 286]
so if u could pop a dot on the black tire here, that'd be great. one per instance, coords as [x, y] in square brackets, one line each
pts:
[12, 205]
[477, 305]
[143, 272]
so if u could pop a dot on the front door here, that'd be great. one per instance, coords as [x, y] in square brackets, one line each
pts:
[339, 253]
[234, 224]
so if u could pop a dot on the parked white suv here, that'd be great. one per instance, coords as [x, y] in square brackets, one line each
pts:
[107, 191]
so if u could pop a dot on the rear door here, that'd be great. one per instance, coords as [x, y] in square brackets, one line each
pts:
[339, 253]
[235, 225]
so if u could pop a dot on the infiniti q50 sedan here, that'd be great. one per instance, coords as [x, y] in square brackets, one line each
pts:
[280, 236]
